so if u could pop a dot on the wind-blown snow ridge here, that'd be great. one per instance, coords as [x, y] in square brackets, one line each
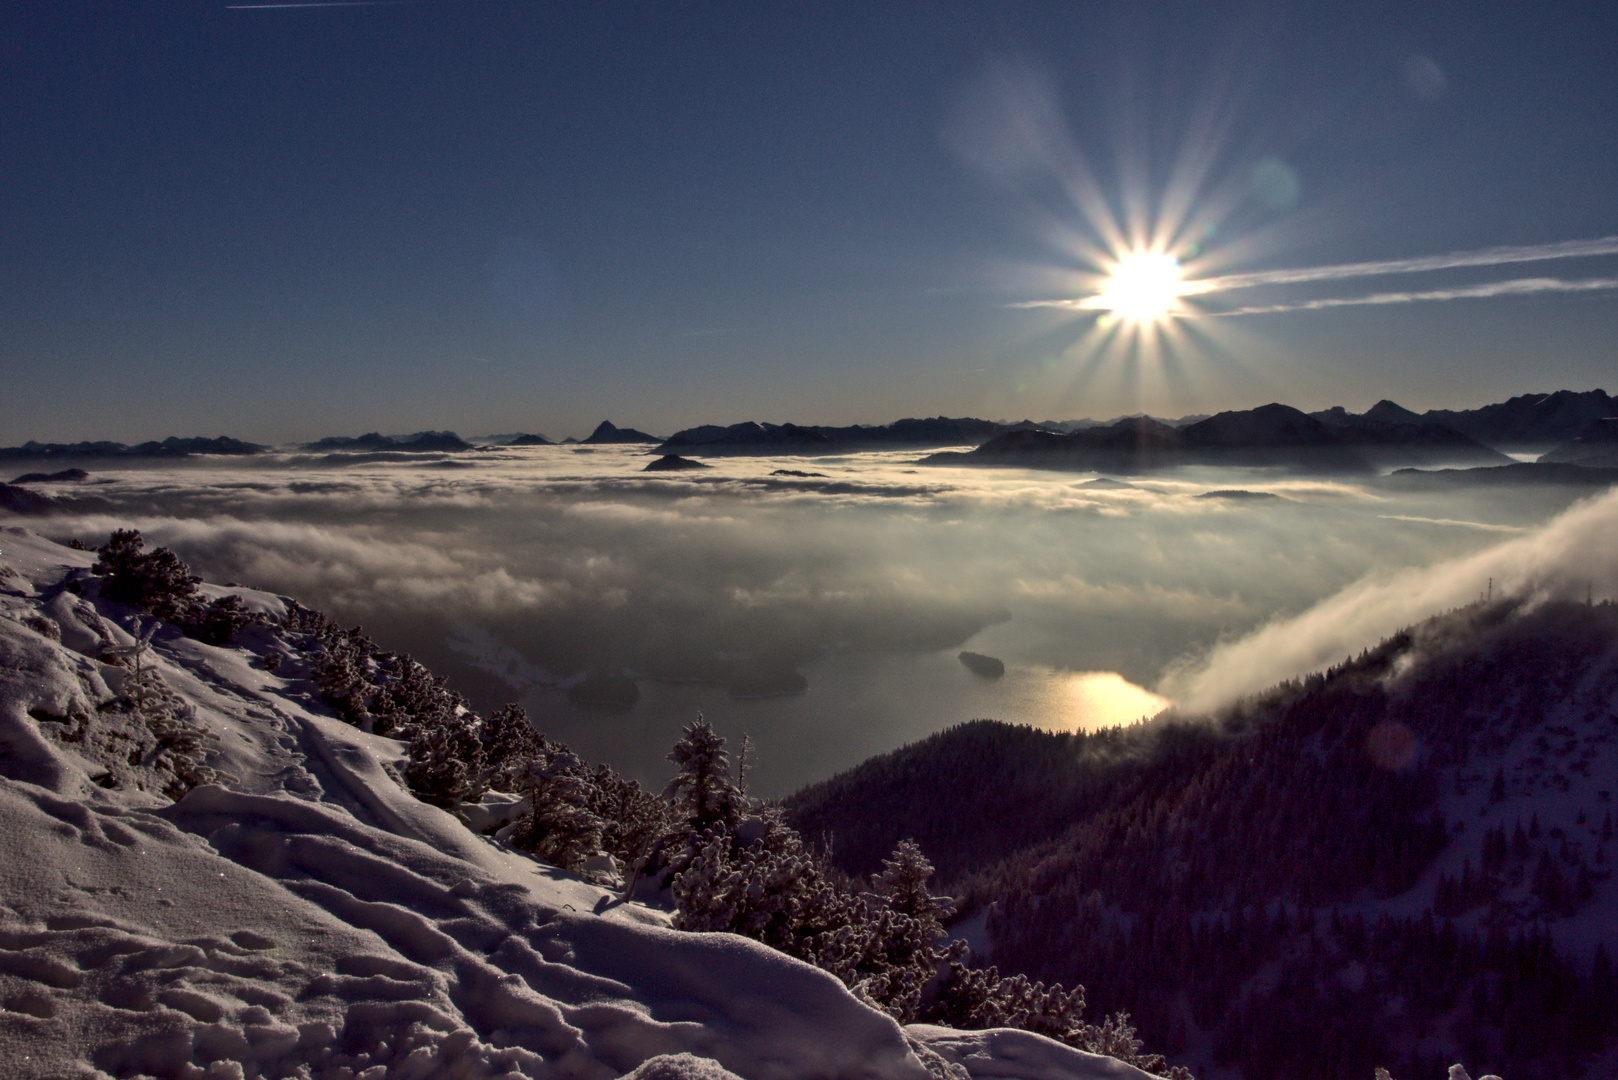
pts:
[298, 914]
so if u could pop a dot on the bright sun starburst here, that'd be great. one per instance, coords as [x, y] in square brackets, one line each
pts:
[1143, 287]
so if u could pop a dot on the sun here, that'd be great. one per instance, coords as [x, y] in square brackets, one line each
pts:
[1142, 287]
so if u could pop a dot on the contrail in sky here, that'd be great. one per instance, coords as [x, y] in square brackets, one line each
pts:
[1495, 256]
[1517, 287]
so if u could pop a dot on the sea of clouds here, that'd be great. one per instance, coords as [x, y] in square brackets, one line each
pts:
[516, 571]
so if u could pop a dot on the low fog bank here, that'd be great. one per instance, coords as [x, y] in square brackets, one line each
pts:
[520, 571]
[1571, 557]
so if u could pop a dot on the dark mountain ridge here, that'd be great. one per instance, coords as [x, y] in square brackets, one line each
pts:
[1390, 435]
[1596, 446]
[1273, 435]
[1407, 856]
[750, 437]
[171, 447]
[1529, 421]
[420, 442]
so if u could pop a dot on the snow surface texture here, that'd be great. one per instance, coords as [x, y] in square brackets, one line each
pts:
[298, 914]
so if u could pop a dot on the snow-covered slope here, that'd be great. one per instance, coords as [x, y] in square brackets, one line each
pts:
[298, 914]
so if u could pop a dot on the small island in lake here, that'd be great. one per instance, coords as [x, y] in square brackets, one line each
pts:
[986, 666]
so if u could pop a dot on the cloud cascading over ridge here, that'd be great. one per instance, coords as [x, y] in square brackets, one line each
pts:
[1569, 555]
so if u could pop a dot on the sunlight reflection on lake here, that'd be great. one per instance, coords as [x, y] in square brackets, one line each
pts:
[857, 705]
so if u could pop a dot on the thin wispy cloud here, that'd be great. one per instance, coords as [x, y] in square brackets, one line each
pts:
[1517, 287]
[1482, 258]
[1457, 522]
[1496, 256]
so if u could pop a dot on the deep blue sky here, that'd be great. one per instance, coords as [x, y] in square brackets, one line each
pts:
[508, 215]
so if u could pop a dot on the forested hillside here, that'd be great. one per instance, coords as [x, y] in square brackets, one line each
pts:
[1400, 862]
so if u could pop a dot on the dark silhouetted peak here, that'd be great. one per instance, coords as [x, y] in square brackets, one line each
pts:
[432, 440]
[1336, 417]
[65, 476]
[1530, 419]
[419, 442]
[749, 437]
[606, 432]
[371, 440]
[1268, 425]
[530, 440]
[1596, 446]
[169, 447]
[1391, 435]
[705, 433]
[674, 463]
[1386, 412]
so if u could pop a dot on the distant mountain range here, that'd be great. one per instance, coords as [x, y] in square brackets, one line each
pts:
[754, 438]
[1530, 421]
[1275, 435]
[169, 448]
[434, 441]
[1567, 427]
[1332, 440]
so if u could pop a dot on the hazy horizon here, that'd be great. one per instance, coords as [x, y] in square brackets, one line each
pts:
[284, 443]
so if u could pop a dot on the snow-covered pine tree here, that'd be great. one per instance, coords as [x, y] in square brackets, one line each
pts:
[560, 826]
[155, 581]
[904, 934]
[217, 621]
[632, 819]
[446, 758]
[771, 889]
[509, 744]
[903, 882]
[702, 792]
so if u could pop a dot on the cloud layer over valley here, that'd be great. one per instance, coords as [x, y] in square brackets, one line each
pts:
[516, 570]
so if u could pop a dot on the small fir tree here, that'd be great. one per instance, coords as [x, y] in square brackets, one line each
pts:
[702, 792]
